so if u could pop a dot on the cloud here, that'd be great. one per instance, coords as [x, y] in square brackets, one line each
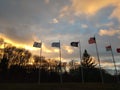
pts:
[103, 32]
[84, 26]
[86, 7]
[19, 34]
[27, 21]
[116, 12]
[55, 20]
[68, 49]
[109, 24]
[47, 1]
[64, 11]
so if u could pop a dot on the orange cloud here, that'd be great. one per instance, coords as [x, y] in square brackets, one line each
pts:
[88, 7]
[47, 51]
[68, 49]
[108, 32]
[64, 11]
[16, 43]
[47, 1]
[116, 12]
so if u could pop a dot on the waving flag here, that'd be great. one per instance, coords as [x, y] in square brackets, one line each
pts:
[74, 44]
[118, 50]
[92, 40]
[56, 44]
[108, 48]
[37, 44]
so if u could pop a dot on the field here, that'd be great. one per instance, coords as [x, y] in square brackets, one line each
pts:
[58, 86]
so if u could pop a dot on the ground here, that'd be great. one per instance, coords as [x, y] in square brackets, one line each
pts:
[58, 86]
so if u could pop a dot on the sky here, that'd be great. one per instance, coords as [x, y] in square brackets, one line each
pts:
[24, 21]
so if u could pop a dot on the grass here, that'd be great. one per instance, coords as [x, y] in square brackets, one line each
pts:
[58, 86]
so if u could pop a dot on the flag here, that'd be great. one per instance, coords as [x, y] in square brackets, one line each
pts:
[74, 44]
[118, 50]
[37, 44]
[108, 48]
[92, 40]
[56, 44]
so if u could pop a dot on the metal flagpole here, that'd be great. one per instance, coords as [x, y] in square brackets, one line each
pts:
[60, 64]
[40, 64]
[81, 62]
[99, 61]
[114, 64]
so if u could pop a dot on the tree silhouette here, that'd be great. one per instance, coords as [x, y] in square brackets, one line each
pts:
[4, 63]
[16, 56]
[1, 49]
[87, 60]
[16, 60]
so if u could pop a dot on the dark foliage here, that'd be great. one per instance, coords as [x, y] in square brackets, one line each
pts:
[13, 70]
[87, 61]
[22, 74]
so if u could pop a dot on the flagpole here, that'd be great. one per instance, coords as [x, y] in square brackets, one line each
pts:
[81, 62]
[60, 64]
[99, 61]
[114, 64]
[39, 79]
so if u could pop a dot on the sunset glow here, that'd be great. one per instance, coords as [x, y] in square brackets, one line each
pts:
[24, 22]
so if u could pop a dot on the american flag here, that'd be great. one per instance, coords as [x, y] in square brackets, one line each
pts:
[108, 48]
[92, 40]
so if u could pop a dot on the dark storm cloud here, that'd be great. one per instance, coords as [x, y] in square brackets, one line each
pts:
[20, 19]
[20, 34]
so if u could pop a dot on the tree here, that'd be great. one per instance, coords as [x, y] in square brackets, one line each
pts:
[15, 56]
[1, 49]
[88, 61]
[4, 63]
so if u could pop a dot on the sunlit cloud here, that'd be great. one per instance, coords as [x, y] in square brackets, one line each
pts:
[46, 49]
[19, 45]
[67, 20]
[58, 59]
[87, 7]
[55, 20]
[68, 49]
[84, 26]
[35, 51]
[107, 65]
[47, 1]
[64, 11]
[110, 24]
[109, 32]
[116, 12]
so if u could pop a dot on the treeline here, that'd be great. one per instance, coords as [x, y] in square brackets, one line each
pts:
[20, 74]
[15, 67]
